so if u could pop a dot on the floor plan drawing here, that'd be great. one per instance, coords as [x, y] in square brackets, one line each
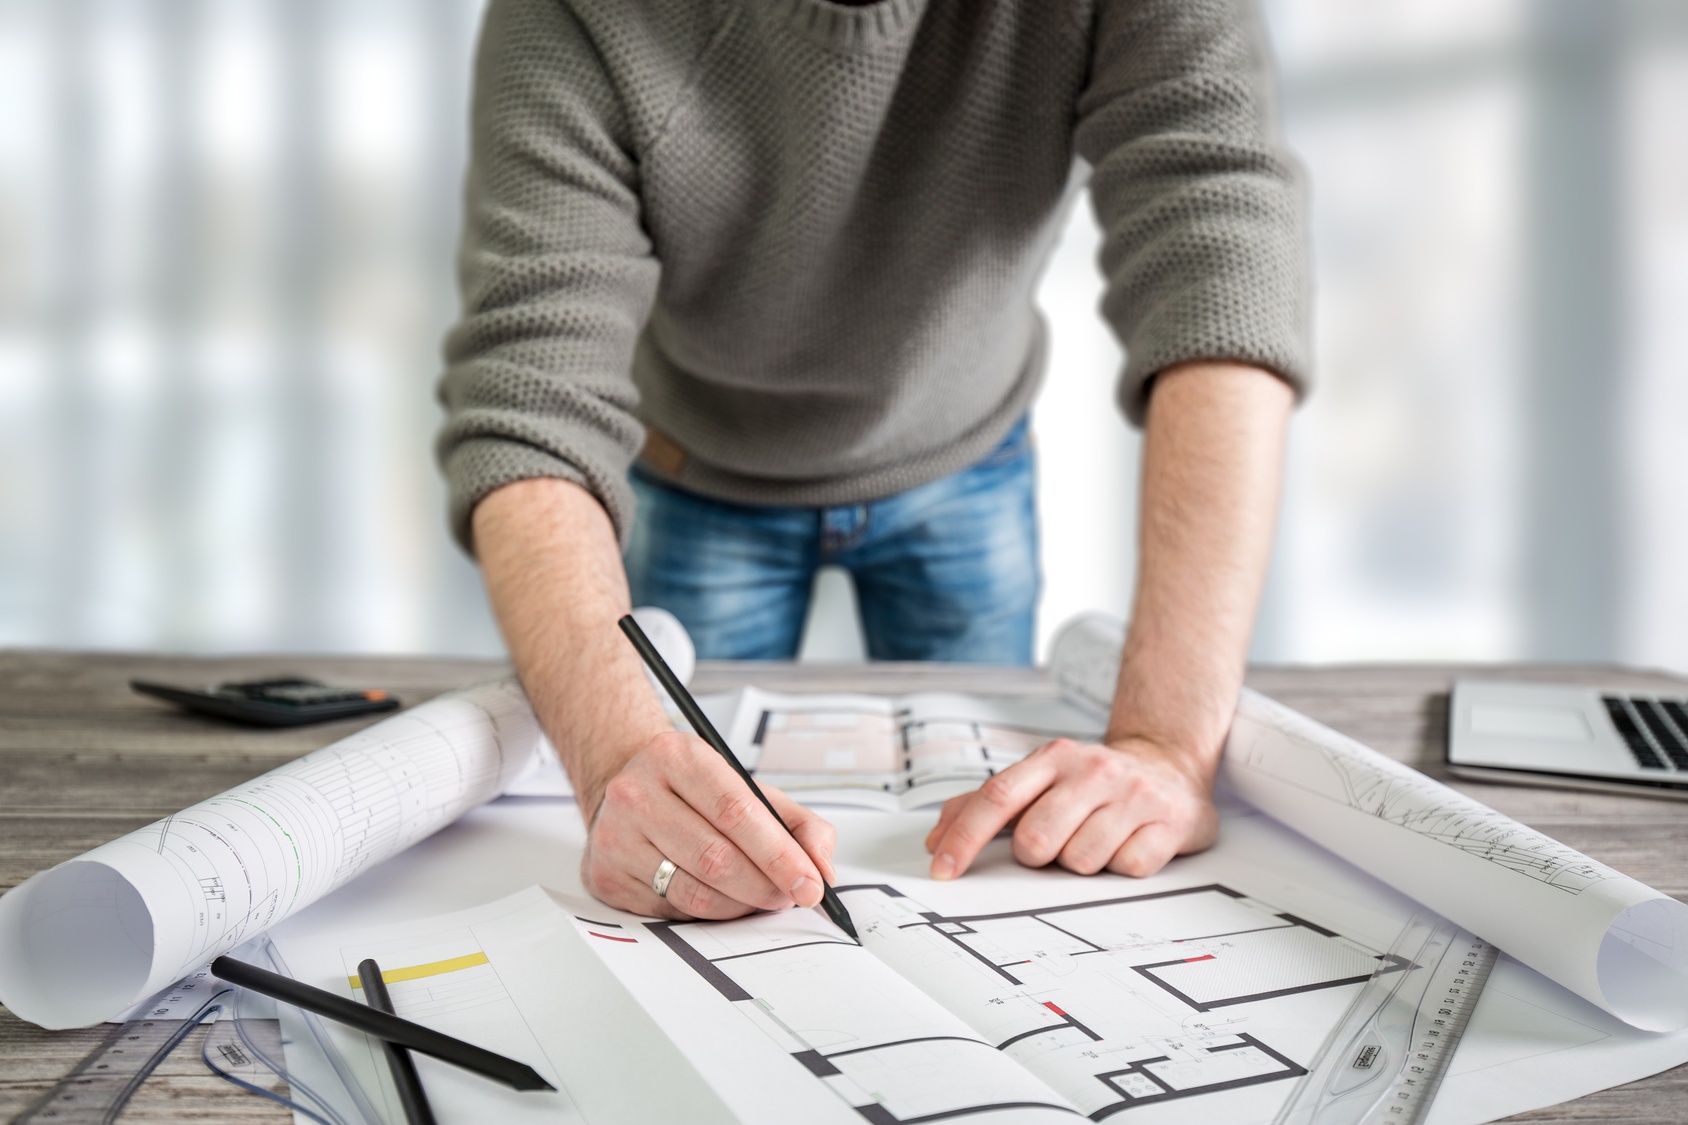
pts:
[830, 741]
[899, 750]
[1107, 1005]
[896, 752]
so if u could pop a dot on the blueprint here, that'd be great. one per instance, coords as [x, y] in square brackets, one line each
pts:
[636, 1033]
[1611, 939]
[891, 752]
[150, 906]
[1278, 743]
[1106, 1005]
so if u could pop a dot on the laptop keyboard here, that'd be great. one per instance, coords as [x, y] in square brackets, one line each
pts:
[1655, 730]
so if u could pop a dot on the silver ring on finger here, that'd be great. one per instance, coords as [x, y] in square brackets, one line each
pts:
[664, 876]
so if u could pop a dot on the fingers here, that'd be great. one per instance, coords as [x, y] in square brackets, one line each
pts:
[711, 787]
[946, 816]
[1099, 838]
[814, 834]
[690, 898]
[984, 813]
[621, 877]
[1090, 807]
[1154, 821]
[679, 800]
[1147, 851]
[678, 832]
[1049, 824]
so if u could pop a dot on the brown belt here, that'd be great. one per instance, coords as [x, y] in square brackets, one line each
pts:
[661, 453]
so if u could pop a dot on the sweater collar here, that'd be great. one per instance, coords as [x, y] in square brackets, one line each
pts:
[842, 27]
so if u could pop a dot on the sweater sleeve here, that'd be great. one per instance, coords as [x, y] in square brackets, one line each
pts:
[556, 272]
[1200, 206]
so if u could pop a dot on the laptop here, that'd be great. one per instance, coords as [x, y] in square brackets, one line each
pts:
[1570, 737]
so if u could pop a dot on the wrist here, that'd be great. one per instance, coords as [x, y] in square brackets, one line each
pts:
[1185, 723]
[1199, 763]
[592, 774]
[1177, 690]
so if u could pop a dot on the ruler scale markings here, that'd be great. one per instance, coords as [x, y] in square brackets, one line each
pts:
[108, 1077]
[1389, 1054]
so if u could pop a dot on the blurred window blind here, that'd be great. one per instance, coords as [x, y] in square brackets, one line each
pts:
[226, 242]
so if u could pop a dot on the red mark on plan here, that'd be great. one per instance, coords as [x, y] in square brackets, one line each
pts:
[1203, 957]
[612, 937]
[1050, 1004]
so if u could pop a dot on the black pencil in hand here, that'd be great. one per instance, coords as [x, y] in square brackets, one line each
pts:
[706, 731]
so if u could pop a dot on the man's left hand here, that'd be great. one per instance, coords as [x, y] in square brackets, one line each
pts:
[1128, 808]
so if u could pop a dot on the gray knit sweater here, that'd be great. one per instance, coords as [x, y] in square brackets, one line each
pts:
[802, 239]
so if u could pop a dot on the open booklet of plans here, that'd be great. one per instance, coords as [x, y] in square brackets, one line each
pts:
[1087, 1001]
[871, 751]
[892, 752]
[913, 751]
[895, 753]
[1012, 998]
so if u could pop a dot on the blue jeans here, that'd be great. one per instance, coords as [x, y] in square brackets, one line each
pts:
[946, 571]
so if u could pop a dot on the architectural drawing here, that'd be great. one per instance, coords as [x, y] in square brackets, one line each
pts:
[1391, 792]
[1109, 1005]
[830, 741]
[283, 839]
[235, 864]
[918, 749]
[900, 750]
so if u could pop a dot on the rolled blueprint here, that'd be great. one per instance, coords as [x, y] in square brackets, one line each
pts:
[92, 937]
[96, 935]
[1611, 939]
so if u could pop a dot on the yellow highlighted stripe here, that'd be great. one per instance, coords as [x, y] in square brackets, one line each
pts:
[431, 969]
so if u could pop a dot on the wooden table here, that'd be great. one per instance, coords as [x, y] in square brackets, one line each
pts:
[83, 760]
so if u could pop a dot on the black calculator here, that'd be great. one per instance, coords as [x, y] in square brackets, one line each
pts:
[282, 702]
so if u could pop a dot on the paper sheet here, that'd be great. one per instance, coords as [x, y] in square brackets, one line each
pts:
[891, 752]
[1610, 939]
[1194, 1001]
[507, 976]
[786, 1021]
[1531, 1043]
[868, 751]
[1606, 937]
[95, 935]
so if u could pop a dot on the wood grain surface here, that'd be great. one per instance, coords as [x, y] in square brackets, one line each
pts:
[83, 760]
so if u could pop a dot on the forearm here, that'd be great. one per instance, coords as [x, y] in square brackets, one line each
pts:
[1212, 467]
[552, 570]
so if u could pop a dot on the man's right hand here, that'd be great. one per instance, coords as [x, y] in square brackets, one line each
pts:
[677, 799]
[647, 791]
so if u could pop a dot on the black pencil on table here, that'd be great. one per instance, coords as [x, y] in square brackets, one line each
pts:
[412, 1097]
[706, 731]
[393, 1029]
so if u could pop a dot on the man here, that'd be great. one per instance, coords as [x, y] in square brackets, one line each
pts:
[788, 249]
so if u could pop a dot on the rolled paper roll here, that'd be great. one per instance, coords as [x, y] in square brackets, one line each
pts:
[1611, 939]
[92, 937]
